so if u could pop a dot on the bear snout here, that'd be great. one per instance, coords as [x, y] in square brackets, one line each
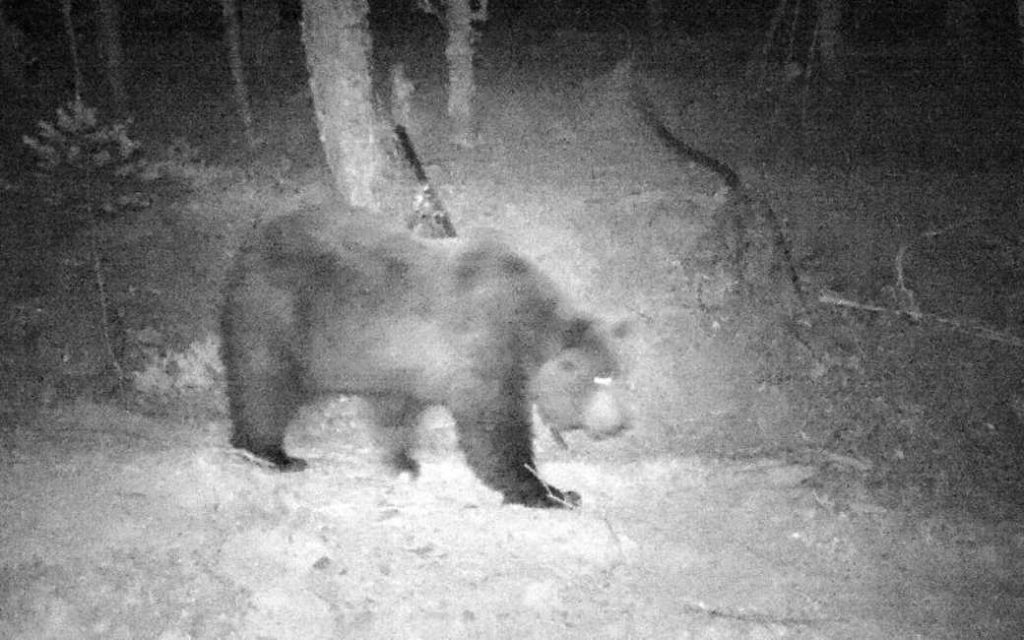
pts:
[603, 415]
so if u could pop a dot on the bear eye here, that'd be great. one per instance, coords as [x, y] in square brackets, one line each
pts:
[603, 381]
[578, 329]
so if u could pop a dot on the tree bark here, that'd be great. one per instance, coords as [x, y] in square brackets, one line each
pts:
[110, 34]
[337, 40]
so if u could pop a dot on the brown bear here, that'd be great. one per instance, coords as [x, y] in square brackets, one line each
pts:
[314, 306]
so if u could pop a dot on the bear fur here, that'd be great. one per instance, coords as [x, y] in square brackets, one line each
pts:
[313, 307]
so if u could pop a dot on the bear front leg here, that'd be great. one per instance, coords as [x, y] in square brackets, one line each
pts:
[263, 397]
[496, 439]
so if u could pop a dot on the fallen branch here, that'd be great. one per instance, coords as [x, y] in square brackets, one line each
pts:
[904, 295]
[966, 326]
[699, 608]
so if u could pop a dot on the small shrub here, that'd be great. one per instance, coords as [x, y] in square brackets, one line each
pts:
[173, 373]
[85, 169]
[76, 140]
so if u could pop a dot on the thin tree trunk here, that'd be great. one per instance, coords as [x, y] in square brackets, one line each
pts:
[761, 66]
[830, 13]
[260, 30]
[69, 31]
[959, 24]
[110, 34]
[11, 71]
[1020, 29]
[459, 52]
[232, 42]
[655, 17]
[337, 40]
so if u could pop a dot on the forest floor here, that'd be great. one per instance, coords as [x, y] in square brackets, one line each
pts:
[796, 469]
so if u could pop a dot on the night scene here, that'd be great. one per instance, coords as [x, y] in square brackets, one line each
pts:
[502, 319]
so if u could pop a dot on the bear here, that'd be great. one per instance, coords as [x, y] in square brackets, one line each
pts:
[315, 305]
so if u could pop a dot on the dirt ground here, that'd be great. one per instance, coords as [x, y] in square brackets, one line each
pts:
[791, 471]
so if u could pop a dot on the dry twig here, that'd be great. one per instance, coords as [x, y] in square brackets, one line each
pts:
[962, 325]
[101, 289]
[547, 487]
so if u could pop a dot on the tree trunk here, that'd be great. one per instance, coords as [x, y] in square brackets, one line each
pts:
[260, 30]
[655, 17]
[1020, 29]
[69, 31]
[761, 65]
[337, 40]
[459, 52]
[233, 45]
[110, 34]
[11, 71]
[830, 39]
[959, 26]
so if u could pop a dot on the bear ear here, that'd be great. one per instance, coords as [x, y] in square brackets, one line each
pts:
[620, 329]
[568, 365]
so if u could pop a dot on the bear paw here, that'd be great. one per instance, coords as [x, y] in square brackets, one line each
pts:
[544, 497]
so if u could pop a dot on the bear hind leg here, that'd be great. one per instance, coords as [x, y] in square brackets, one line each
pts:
[395, 417]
